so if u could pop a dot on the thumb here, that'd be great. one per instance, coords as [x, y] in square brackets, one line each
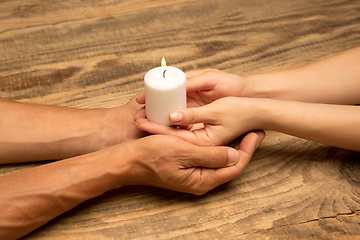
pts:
[216, 157]
[204, 114]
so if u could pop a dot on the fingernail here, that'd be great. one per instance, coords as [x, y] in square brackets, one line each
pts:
[233, 156]
[176, 117]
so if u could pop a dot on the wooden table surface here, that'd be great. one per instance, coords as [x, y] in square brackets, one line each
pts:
[91, 54]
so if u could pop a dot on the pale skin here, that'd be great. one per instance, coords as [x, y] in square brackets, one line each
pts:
[103, 151]
[315, 102]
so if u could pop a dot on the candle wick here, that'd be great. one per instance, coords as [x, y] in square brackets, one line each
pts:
[164, 74]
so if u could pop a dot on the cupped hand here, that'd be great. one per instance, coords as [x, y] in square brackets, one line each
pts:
[206, 86]
[203, 87]
[120, 126]
[213, 124]
[210, 84]
[171, 163]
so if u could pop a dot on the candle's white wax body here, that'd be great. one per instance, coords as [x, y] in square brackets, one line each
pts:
[164, 95]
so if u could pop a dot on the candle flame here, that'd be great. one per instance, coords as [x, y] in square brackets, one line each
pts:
[163, 62]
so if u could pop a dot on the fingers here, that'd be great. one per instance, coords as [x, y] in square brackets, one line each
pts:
[140, 114]
[214, 177]
[250, 142]
[218, 157]
[141, 98]
[261, 135]
[135, 104]
[204, 114]
[196, 169]
[216, 167]
[246, 150]
[193, 73]
[198, 84]
[145, 125]
[183, 133]
[154, 128]
[201, 80]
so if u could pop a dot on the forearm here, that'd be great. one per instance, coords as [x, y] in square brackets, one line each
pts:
[30, 198]
[334, 125]
[333, 80]
[31, 132]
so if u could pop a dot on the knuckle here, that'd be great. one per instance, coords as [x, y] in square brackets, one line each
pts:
[198, 191]
[217, 156]
[193, 116]
[213, 70]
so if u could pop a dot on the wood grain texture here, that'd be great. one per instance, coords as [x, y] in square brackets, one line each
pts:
[91, 54]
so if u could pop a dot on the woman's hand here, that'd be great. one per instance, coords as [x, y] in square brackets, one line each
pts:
[211, 84]
[217, 123]
[206, 86]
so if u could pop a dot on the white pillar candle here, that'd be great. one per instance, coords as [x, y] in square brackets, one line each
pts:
[165, 91]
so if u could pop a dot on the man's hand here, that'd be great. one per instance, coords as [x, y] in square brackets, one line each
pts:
[120, 126]
[171, 163]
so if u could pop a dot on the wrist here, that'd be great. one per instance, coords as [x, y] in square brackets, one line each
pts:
[115, 125]
[261, 113]
[277, 115]
[258, 86]
[248, 115]
[262, 86]
[119, 165]
[131, 158]
[87, 132]
[107, 169]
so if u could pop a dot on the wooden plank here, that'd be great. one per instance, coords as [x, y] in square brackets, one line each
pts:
[21, 14]
[109, 53]
[95, 54]
[290, 186]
